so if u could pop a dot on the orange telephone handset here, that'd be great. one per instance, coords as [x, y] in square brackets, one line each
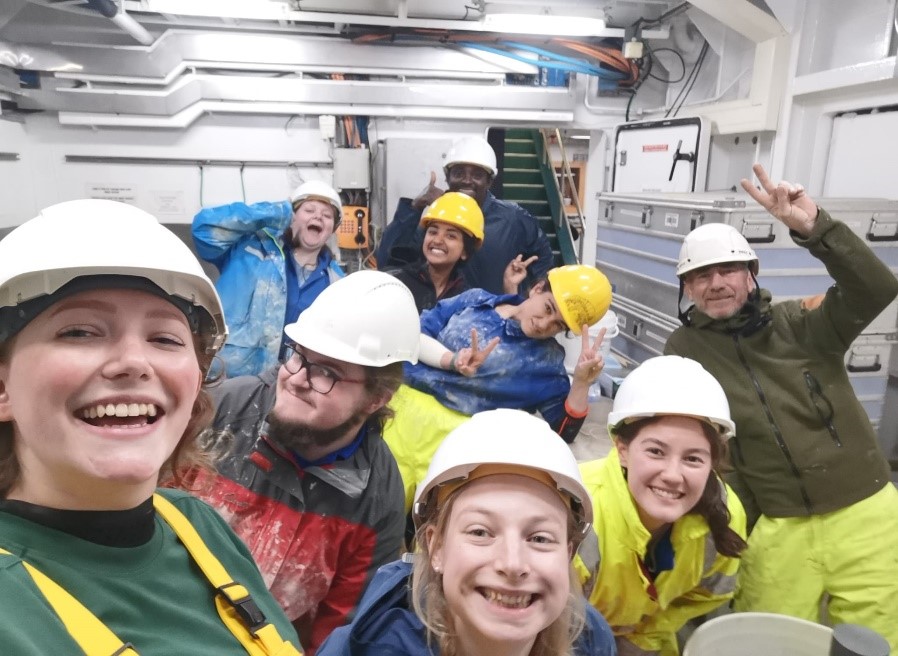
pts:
[353, 230]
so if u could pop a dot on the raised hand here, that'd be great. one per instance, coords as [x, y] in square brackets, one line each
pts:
[468, 360]
[429, 194]
[515, 273]
[591, 361]
[787, 202]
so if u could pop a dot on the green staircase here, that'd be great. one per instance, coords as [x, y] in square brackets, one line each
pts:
[527, 178]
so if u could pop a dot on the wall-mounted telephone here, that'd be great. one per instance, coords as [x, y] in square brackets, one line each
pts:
[353, 230]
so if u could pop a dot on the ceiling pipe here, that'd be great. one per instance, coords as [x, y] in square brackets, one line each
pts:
[188, 115]
[110, 10]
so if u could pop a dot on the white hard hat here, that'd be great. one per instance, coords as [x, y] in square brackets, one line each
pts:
[81, 238]
[317, 190]
[515, 441]
[367, 318]
[472, 150]
[715, 243]
[671, 385]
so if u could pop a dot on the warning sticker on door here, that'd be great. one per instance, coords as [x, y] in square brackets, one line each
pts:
[654, 148]
[671, 219]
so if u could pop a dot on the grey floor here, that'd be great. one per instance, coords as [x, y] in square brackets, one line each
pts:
[593, 441]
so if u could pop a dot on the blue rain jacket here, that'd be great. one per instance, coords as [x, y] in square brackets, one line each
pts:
[386, 625]
[521, 372]
[245, 243]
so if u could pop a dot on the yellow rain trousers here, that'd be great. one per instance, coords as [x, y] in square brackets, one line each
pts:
[649, 613]
[413, 435]
[850, 554]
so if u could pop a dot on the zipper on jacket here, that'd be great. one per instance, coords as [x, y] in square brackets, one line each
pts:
[777, 434]
[826, 417]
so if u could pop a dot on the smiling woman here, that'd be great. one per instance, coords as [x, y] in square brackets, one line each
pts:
[453, 231]
[668, 530]
[106, 334]
[499, 516]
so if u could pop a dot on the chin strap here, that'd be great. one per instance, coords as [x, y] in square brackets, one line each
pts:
[683, 315]
[755, 319]
[236, 607]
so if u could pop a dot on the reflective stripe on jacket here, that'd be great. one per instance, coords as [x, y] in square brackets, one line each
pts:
[649, 613]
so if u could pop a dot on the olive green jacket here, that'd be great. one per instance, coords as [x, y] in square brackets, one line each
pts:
[803, 444]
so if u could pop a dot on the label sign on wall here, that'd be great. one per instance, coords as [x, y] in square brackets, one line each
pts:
[121, 193]
[168, 202]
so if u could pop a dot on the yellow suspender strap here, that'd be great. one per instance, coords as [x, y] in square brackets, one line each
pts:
[236, 606]
[94, 637]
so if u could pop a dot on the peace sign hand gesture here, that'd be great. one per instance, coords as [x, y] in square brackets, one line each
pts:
[591, 361]
[787, 202]
[468, 360]
[515, 273]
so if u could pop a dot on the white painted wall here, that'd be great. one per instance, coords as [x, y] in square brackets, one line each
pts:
[855, 72]
[863, 156]
[42, 176]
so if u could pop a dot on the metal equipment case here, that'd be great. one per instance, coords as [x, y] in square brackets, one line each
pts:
[638, 244]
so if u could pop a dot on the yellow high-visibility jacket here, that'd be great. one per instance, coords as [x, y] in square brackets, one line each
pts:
[650, 613]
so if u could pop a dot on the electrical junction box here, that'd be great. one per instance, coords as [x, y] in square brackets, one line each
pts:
[352, 169]
[670, 155]
[633, 49]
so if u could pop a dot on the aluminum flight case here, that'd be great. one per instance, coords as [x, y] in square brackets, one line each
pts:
[639, 238]
[638, 244]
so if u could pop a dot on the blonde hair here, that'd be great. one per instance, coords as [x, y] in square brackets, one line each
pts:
[429, 600]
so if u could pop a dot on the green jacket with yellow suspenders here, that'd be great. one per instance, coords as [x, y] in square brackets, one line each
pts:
[234, 603]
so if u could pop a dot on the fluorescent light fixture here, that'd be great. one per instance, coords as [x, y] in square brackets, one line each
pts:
[580, 137]
[543, 24]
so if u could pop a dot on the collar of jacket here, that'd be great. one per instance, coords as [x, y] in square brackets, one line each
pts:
[488, 200]
[456, 280]
[350, 477]
[754, 315]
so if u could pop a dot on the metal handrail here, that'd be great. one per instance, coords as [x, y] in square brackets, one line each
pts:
[562, 221]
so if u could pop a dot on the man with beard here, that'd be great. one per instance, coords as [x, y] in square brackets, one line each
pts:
[305, 478]
[805, 452]
[509, 231]
[274, 261]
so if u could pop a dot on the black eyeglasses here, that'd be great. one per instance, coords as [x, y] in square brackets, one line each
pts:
[321, 379]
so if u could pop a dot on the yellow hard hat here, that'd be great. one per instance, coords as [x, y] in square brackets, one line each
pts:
[583, 294]
[459, 210]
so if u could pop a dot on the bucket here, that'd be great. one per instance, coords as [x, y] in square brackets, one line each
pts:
[750, 634]
[572, 343]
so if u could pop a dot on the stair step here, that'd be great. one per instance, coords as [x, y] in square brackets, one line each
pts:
[519, 133]
[522, 176]
[519, 146]
[520, 161]
[536, 209]
[524, 186]
[525, 192]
